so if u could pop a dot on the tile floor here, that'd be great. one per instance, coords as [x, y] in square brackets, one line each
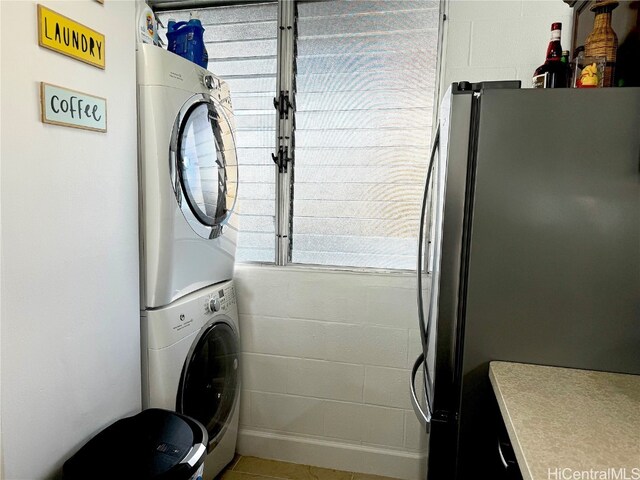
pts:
[253, 468]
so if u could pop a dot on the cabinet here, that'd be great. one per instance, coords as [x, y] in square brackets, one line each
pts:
[504, 462]
[624, 17]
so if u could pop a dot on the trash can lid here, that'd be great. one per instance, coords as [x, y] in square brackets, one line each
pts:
[154, 444]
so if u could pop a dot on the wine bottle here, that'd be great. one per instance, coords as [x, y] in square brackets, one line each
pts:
[553, 72]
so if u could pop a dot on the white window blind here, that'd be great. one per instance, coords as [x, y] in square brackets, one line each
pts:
[242, 48]
[364, 102]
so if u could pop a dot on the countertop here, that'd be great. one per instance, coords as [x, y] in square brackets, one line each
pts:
[563, 420]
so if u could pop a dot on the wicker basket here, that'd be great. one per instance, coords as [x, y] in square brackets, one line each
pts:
[603, 41]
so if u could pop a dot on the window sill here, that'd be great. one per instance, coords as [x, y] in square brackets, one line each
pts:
[297, 267]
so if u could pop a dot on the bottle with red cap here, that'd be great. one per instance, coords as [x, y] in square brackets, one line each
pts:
[553, 72]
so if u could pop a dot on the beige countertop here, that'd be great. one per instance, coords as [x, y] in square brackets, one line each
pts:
[562, 421]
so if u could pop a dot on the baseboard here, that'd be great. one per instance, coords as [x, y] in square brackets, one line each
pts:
[332, 454]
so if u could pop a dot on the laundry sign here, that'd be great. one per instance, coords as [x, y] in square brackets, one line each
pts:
[66, 36]
[70, 108]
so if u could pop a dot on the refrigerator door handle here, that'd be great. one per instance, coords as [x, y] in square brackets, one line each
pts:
[423, 416]
[421, 322]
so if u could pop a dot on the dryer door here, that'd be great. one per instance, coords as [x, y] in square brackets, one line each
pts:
[204, 169]
[210, 383]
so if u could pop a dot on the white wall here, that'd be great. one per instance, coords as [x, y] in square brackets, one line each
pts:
[1, 446]
[69, 283]
[500, 40]
[327, 354]
[326, 367]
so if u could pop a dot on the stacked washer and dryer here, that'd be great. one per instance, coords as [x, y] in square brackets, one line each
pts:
[188, 183]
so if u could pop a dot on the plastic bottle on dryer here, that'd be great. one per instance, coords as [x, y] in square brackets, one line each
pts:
[186, 39]
[147, 28]
[200, 54]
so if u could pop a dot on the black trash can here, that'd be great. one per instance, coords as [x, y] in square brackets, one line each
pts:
[154, 444]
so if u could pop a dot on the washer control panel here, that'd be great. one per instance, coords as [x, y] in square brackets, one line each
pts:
[227, 297]
[221, 300]
[214, 305]
[187, 315]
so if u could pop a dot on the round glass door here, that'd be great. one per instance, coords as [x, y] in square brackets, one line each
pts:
[203, 164]
[209, 386]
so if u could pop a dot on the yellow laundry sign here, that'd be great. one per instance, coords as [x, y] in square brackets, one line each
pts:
[70, 38]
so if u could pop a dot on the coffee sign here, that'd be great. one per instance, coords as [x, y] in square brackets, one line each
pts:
[70, 38]
[61, 106]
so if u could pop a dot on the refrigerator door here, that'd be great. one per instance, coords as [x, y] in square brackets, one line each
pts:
[440, 270]
[439, 276]
[554, 252]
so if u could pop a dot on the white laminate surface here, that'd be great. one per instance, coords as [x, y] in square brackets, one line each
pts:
[565, 423]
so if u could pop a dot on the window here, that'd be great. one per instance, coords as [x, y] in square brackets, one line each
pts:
[364, 98]
[363, 87]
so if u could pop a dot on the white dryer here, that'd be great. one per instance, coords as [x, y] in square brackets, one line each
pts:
[190, 364]
[188, 177]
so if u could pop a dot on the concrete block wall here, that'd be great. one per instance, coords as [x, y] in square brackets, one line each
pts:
[500, 40]
[325, 368]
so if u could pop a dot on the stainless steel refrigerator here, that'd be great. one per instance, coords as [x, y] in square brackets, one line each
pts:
[529, 252]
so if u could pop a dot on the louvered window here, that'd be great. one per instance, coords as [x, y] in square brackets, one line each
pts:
[363, 91]
[364, 98]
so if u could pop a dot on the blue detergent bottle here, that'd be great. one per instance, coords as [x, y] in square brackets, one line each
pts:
[200, 54]
[186, 39]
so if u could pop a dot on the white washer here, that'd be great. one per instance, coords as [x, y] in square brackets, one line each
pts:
[188, 177]
[190, 364]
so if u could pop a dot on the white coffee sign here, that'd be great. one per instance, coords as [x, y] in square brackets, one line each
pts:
[70, 108]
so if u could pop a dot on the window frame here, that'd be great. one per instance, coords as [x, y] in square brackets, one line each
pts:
[285, 136]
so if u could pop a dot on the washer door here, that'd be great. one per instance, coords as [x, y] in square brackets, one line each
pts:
[203, 164]
[209, 386]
